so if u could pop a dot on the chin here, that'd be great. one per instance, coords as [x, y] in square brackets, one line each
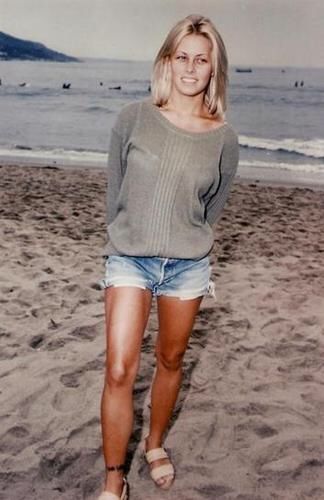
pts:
[190, 93]
[190, 89]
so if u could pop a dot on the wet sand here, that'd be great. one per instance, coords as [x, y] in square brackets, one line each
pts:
[249, 421]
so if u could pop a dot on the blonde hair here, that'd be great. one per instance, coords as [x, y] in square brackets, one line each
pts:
[215, 94]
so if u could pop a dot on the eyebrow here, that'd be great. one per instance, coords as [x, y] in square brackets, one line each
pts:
[202, 54]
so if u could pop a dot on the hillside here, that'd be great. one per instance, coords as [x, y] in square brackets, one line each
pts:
[16, 48]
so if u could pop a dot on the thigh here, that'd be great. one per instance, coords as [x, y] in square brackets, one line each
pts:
[176, 319]
[127, 310]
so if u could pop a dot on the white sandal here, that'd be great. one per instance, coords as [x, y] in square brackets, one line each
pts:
[161, 471]
[107, 495]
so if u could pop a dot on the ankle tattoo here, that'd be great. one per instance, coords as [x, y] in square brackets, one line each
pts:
[115, 467]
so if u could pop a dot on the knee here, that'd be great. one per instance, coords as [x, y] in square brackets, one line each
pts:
[119, 375]
[170, 361]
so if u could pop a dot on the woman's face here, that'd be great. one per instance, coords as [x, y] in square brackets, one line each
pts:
[191, 65]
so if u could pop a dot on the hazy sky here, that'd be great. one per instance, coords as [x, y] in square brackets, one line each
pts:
[256, 32]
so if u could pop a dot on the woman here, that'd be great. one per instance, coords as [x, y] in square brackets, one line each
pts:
[172, 159]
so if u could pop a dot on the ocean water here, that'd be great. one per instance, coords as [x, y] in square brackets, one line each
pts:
[280, 125]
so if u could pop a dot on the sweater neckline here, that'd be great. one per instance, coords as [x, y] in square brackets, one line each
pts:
[182, 131]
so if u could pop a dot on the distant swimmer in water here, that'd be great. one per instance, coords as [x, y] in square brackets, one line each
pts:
[66, 85]
[118, 87]
[24, 84]
[296, 84]
[302, 83]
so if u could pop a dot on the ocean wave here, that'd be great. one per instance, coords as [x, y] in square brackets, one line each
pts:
[312, 148]
[80, 157]
[57, 156]
[302, 167]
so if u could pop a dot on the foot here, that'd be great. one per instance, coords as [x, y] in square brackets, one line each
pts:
[116, 487]
[109, 495]
[161, 468]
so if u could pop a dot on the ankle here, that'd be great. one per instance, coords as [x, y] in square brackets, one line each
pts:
[114, 482]
[152, 442]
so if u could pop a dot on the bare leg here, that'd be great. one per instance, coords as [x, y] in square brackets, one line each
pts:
[127, 311]
[176, 320]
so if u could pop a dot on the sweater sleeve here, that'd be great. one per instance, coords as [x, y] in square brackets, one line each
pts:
[219, 192]
[120, 132]
[115, 174]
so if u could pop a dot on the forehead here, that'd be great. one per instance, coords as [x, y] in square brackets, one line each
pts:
[194, 44]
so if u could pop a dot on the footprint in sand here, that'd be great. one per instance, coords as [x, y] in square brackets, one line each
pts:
[211, 490]
[54, 465]
[36, 341]
[74, 379]
[72, 473]
[87, 332]
[57, 343]
[67, 400]
[14, 440]
[244, 433]
[291, 465]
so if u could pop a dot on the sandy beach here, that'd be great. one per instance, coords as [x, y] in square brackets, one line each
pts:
[249, 421]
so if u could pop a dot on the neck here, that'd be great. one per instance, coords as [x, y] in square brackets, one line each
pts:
[186, 105]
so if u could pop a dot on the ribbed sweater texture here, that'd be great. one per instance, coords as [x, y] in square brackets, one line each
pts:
[166, 186]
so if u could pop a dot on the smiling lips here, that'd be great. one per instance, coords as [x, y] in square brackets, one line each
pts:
[189, 80]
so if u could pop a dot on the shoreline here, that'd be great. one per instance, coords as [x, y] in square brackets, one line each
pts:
[245, 175]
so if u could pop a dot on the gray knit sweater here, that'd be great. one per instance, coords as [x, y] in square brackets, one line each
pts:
[166, 186]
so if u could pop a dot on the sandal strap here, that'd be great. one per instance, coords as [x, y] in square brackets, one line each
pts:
[156, 454]
[106, 495]
[162, 471]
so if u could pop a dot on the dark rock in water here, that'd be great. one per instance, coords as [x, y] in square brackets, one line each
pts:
[16, 48]
[27, 148]
[243, 70]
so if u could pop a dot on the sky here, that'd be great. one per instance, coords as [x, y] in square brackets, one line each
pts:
[255, 32]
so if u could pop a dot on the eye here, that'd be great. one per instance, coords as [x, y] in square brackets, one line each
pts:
[201, 60]
[181, 57]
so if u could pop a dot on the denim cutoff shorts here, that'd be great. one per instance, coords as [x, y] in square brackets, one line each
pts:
[182, 278]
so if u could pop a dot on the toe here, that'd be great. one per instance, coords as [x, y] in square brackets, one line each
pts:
[165, 482]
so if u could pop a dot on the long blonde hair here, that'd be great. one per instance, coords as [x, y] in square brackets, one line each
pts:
[215, 95]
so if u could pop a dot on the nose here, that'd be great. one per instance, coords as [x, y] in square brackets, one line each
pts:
[190, 66]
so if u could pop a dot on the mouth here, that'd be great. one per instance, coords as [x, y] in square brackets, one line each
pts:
[189, 80]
